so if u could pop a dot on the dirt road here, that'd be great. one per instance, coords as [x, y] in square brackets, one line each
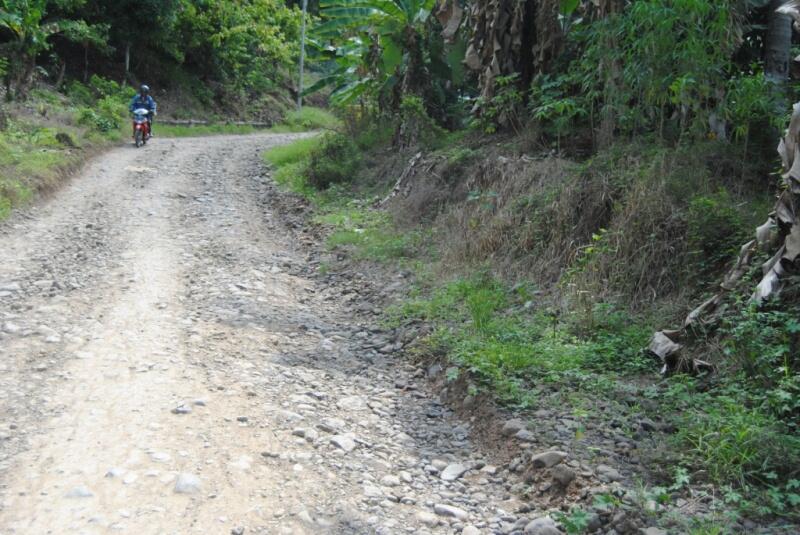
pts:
[167, 365]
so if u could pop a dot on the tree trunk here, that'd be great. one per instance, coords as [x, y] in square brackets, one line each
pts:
[61, 72]
[613, 72]
[23, 79]
[127, 63]
[414, 78]
[779, 43]
[85, 62]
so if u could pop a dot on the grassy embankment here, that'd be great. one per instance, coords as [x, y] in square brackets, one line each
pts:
[545, 289]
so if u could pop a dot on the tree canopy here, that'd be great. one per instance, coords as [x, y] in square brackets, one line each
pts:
[244, 47]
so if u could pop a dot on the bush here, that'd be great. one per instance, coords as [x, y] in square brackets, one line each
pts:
[335, 160]
[715, 231]
[502, 110]
[416, 126]
[110, 88]
[739, 445]
[764, 343]
[79, 93]
[107, 116]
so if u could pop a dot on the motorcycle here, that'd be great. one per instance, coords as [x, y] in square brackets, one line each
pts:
[141, 126]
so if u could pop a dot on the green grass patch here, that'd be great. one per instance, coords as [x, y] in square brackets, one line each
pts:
[292, 153]
[369, 234]
[727, 436]
[516, 348]
[41, 163]
[12, 193]
[311, 118]
[366, 232]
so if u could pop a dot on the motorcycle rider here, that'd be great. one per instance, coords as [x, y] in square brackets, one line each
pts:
[143, 100]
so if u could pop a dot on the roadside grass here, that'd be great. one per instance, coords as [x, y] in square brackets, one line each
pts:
[518, 349]
[30, 158]
[368, 233]
[292, 153]
[52, 133]
[309, 118]
[167, 130]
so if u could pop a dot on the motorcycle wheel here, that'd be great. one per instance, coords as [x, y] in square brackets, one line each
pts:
[138, 138]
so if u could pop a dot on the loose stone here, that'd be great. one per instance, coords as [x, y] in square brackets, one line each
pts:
[450, 511]
[453, 471]
[80, 491]
[548, 459]
[187, 484]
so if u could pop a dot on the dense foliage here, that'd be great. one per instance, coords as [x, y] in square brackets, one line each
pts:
[236, 49]
[668, 67]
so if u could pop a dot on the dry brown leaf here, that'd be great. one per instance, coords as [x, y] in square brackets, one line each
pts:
[706, 308]
[784, 210]
[792, 243]
[767, 234]
[767, 266]
[794, 171]
[663, 347]
[784, 155]
[450, 15]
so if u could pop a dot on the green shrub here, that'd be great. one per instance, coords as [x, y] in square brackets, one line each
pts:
[371, 134]
[105, 116]
[113, 109]
[110, 88]
[504, 109]
[416, 126]
[765, 344]
[293, 177]
[715, 231]
[335, 160]
[739, 445]
[79, 93]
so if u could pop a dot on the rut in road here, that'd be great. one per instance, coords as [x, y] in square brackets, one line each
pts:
[169, 365]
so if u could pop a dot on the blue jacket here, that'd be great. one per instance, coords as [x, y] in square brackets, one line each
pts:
[138, 102]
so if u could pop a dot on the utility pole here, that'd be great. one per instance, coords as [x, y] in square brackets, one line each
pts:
[302, 57]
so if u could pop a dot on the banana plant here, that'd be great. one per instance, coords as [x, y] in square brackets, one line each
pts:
[350, 77]
[376, 43]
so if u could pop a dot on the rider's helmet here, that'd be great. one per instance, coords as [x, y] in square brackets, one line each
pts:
[144, 90]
